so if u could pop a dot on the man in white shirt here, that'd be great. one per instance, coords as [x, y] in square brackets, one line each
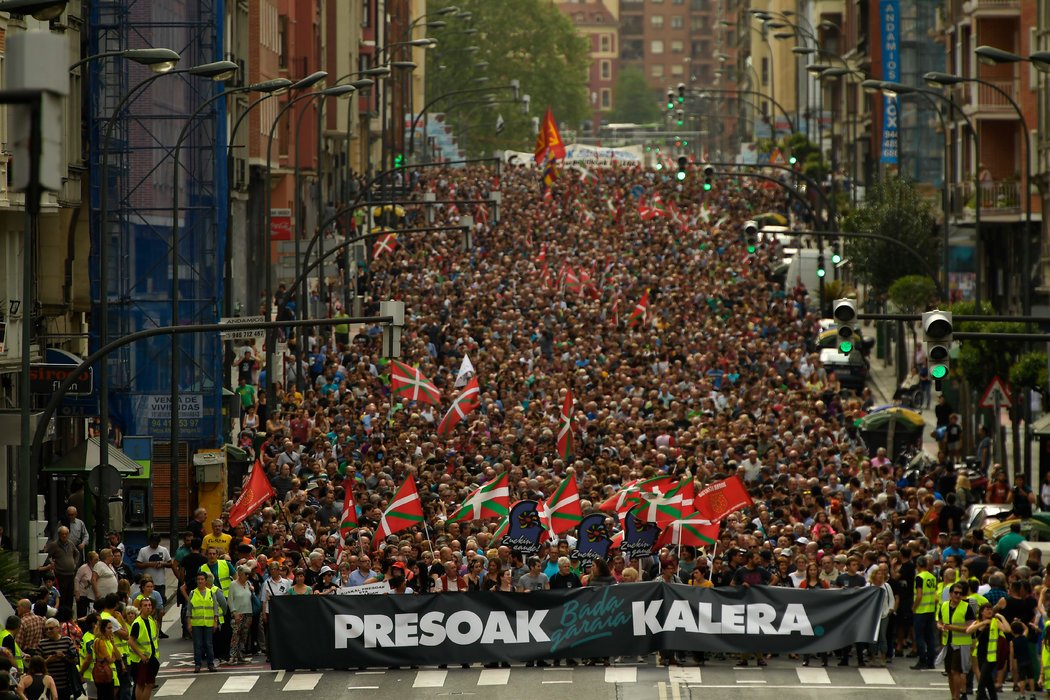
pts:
[154, 559]
[274, 586]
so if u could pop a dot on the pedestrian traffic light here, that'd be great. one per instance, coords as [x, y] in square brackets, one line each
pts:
[751, 236]
[681, 93]
[399, 160]
[682, 163]
[844, 311]
[709, 171]
[937, 336]
[821, 271]
[680, 116]
[670, 99]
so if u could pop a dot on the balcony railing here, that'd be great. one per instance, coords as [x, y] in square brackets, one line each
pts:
[997, 197]
[976, 97]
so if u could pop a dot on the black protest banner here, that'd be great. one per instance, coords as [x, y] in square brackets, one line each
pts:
[352, 631]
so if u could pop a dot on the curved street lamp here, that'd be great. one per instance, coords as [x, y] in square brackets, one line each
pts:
[157, 60]
[41, 10]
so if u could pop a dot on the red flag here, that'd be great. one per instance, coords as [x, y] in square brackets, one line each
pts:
[693, 533]
[257, 491]
[562, 510]
[348, 520]
[466, 402]
[549, 140]
[489, 501]
[570, 282]
[384, 244]
[665, 506]
[721, 498]
[410, 382]
[403, 512]
[630, 494]
[565, 436]
[641, 311]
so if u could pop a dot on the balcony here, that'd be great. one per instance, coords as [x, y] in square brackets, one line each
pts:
[1000, 200]
[992, 8]
[984, 100]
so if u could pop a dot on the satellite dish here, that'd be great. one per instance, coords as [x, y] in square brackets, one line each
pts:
[104, 481]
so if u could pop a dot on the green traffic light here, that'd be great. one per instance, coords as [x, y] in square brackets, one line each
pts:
[821, 272]
[751, 249]
[836, 258]
[707, 187]
[659, 166]
[685, 143]
[792, 160]
[938, 371]
[670, 105]
[680, 175]
[681, 98]
[680, 122]
[845, 347]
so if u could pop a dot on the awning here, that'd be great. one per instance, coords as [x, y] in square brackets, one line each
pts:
[84, 457]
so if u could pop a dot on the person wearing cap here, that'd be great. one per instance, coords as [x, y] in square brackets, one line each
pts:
[325, 584]
[241, 609]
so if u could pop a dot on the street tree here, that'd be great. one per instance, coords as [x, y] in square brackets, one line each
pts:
[893, 208]
[526, 40]
[633, 100]
[913, 294]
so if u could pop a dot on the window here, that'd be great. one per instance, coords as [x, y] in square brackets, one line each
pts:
[605, 42]
[366, 13]
[598, 18]
[677, 69]
[765, 71]
[676, 46]
[657, 21]
[697, 23]
[606, 70]
[579, 18]
[282, 41]
[677, 22]
[656, 46]
[657, 70]
[606, 98]
[678, 2]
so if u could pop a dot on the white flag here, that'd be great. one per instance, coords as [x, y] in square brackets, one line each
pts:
[499, 123]
[466, 371]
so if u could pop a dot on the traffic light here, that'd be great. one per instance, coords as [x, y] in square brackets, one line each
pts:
[680, 116]
[844, 311]
[681, 93]
[670, 99]
[399, 160]
[792, 160]
[937, 336]
[821, 271]
[836, 258]
[751, 236]
[709, 172]
[682, 162]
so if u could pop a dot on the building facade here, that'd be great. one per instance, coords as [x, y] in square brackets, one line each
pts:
[598, 22]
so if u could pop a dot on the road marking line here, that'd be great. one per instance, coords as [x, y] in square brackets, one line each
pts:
[164, 663]
[751, 681]
[876, 676]
[494, 676]
[362, 687]
[302, 681]
[279, 677]
[940, 684]
[677, 674]
[837, 688]
[557, 681]
[174, 687]
[430, 679]
[238, 684]
[621, 675]
[813, 675]
[661, 690]
[369, 673]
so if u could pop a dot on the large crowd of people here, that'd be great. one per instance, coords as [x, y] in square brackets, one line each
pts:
[719, 376]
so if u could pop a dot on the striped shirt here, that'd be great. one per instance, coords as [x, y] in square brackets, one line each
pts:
[58, 671]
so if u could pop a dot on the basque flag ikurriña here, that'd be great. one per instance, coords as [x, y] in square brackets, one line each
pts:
[466, 402]
[412, 385]
[403, 512]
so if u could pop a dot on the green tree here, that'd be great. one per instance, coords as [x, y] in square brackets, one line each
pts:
[1030, 372]
[633, 101]
[893, 208]
[525, 40]
[913, 294]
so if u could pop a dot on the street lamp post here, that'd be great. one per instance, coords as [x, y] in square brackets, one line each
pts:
[412, 131]
[219, 70]
[269, 86]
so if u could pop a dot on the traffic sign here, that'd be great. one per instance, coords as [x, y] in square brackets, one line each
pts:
[996, 395]
[242, 333]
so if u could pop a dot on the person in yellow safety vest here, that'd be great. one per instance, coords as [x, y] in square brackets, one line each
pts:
[8, 646]
[924, 607]
[953, 620]
[1045, 655]
[145, 650]
[988, 630]
[220, 575]
[90, 633]
[221, 570]
[104, 650]
[204, 621]
[112, 610]
[948, 579]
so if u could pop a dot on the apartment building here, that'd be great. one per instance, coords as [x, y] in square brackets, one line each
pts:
[598, 22]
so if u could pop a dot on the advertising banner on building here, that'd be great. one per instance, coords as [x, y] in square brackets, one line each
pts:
[386, 630]
[889, 13]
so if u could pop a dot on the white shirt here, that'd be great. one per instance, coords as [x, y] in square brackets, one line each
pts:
[273, 588]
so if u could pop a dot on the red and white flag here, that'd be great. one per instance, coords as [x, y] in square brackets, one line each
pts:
[410, 382]
[489, 501]
[565, 437]
[640, 313]
[405, 511]
[466, 402]
[384, 244]
[562, 510]
[348, 520]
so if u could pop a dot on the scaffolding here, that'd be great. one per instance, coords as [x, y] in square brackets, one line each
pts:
[137, 229]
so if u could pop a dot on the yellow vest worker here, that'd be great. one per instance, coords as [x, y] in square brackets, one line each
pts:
[9, 633]
[925, 593]
[145, 633]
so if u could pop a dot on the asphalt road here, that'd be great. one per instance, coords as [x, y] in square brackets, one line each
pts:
[783, 679]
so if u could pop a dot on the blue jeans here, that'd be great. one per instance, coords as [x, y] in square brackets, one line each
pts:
[925, 642]
[203, 650]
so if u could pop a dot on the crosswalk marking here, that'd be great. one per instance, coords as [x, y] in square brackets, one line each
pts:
[876, 676]
[174, 687]
[621, 675]
[239, 684]
[430, 679]
[494, 676]
[302, 681]
[677, 674]
[810, 676]
[278, 677]
[748, 680]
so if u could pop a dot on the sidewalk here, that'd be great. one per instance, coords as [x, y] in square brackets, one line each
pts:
[883, 381]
